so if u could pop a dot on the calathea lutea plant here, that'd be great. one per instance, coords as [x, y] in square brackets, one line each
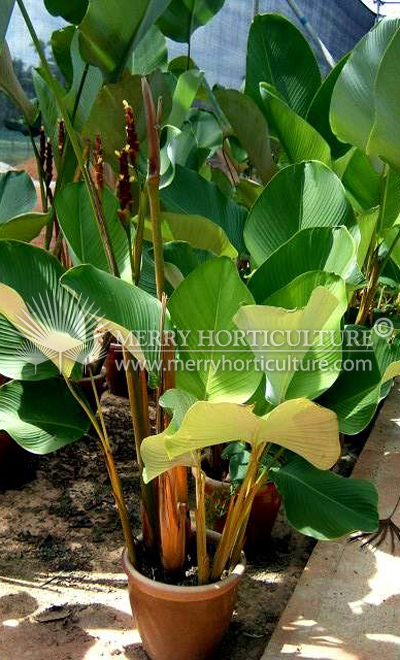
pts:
[305, 256]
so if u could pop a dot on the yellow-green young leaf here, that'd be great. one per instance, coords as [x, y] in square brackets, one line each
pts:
[282, 338]
[299, 425]
[196, 230]
[154, 454]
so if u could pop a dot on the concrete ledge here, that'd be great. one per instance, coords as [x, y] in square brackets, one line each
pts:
[346, 605]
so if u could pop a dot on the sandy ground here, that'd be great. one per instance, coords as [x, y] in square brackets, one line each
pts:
[62, 590]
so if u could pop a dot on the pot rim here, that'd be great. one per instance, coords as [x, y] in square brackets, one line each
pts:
[163, 590]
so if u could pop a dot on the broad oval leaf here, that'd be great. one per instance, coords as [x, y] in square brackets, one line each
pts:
[132, 315]
[354, 397]
[325, 505]
[190, 193]
[318, 112]
[111, 29]
[298, 138]
[300, 196]
[107, 113]
[55, 326]
[278, 53]
[318, 248]
[183, 17]
[250, 127]
[365, 102]
[41, 417]
[17, 195]
[203, 306]
[72, 11]
[24, 227]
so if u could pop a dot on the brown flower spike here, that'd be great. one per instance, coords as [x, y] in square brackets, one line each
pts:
[98, 163]
[131, 135]
[61, 137]
[124, 186]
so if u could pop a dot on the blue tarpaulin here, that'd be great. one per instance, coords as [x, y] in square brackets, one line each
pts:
[219, 48]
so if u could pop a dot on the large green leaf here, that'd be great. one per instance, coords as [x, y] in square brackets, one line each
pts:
[359, 178]
[184, 94]
[6, 10]
[203, 306]
[300, 196]
[10, 84]
[41, 417]
[72, 11]
[180, 258]
[278, 53]
[107, 116]
[111, 29]
[80, 228]
[298, 349]
[151, 53]
[61, 46]
[190, 193]
[299, 139]
[86, 84]
[318, 248]
[183, 17]
[355, 395]
[132, 315]
[17, 195]
[48, 323]
[366, 223]
[323, 504]
[298, 425]
[24, 227]
[318, 112]
[365, 102]
[250, 127]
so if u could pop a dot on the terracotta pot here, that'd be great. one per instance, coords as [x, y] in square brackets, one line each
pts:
[263, 514]
[182, 623]
[116, 379]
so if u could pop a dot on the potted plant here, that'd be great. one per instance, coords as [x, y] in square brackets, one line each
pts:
[126, 259]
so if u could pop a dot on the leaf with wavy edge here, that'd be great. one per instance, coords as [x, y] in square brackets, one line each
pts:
[299, 425]
[287, 337]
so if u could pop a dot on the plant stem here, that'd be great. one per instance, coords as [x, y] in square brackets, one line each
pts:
[111, 468]
[153, 185]
[138, 245]
[174, 524]
[203, 563]
[39, 168]
[237, 514]
[139, 415]
[375, 267]
[99, 215]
